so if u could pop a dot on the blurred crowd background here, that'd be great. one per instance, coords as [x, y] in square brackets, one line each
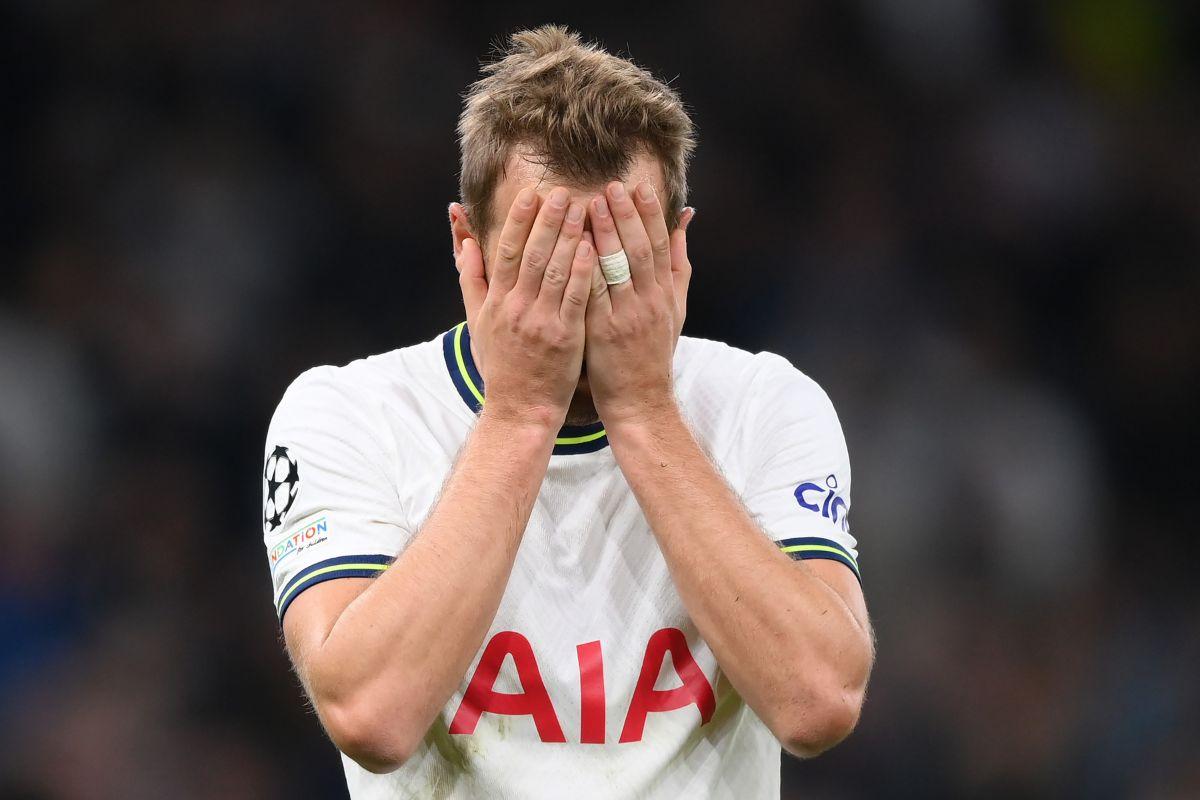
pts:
[975, 223]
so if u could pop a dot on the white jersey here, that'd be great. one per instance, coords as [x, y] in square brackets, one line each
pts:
[592, 682]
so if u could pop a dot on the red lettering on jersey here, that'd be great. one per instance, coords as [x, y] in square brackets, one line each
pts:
[695, 689]
[591, 693]
[481, 697]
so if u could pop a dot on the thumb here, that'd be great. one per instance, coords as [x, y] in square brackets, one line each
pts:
[471, 277]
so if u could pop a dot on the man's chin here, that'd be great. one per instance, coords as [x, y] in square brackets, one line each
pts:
[582, 411]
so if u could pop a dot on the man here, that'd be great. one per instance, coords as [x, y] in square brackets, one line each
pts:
[585, 578]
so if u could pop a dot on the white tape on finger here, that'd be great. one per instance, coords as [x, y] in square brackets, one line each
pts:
[615, 268]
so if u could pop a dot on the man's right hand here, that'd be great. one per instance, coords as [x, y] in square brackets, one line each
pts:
[376, 655]
[527, 319]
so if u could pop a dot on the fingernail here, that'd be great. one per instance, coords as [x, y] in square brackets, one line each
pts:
[646, 192]
[525, 198]
[601, 207]
[689, 214]
[585, 249]
[575, 213]
[558, 198]
[618, 190]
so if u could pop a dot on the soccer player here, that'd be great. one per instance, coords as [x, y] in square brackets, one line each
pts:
[560, 550]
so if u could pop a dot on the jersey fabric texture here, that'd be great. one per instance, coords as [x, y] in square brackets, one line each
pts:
[592, 680]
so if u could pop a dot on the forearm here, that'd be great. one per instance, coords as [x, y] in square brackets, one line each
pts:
[396, 653]
[787, 641]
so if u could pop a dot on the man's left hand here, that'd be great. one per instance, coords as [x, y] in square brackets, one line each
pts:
[632, 327]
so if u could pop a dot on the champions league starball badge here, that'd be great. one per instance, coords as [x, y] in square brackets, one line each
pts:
[282, 478]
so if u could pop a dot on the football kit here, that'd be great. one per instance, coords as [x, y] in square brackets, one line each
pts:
[592, 681]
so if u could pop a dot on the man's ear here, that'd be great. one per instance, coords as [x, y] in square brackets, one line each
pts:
[459, 228]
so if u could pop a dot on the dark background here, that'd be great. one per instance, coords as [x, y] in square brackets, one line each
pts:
[974, 223]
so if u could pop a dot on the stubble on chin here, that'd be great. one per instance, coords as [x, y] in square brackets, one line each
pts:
[582, 411]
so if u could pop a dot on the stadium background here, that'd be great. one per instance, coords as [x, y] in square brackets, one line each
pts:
[975, 223]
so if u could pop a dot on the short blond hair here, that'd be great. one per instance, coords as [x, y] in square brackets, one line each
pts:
[582, 112]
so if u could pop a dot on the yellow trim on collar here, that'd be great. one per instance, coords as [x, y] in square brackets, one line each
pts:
[470, 384]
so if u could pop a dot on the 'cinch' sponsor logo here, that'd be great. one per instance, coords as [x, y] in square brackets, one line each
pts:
[825, 500]
[312, 534]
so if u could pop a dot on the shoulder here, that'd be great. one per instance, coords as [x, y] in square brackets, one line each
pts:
[365, 390]
[737, 380]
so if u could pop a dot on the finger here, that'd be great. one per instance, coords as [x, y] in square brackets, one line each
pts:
[511, 243]
[540, 244]
[598, 297]
[471, 278]
[575, 296]
[604, 229]
[634, 240]
[607, 240]
[558, 270]
[651, 212]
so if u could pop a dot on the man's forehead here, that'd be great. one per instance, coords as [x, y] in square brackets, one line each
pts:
[523, 170]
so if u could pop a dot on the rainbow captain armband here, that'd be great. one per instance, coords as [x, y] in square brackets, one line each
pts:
[815, 547]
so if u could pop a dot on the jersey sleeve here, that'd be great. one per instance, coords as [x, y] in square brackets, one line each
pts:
[798, 489]
[331, 508]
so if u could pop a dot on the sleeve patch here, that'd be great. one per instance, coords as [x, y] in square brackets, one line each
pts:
[299, 540]
[824, 499]
[281, 483]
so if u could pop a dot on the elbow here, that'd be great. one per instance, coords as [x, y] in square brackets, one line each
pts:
[376, 744]
[829, 704]
[822, 722]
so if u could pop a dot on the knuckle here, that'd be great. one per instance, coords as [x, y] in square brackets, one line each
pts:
[514, 312]
[550, 336]
[661, 246]
[576, 298]
[559, 338]
[530, 334]
[535, 258]
[626, 211]
[554, 274]
[642, 251]
[508, 251]
[550, 221]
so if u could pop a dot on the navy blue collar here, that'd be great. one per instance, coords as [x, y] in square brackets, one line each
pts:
[456, 346]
